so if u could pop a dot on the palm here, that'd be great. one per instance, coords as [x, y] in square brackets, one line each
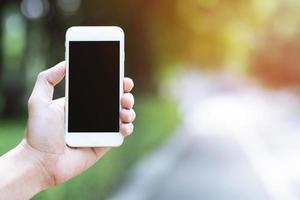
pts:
[62, 162]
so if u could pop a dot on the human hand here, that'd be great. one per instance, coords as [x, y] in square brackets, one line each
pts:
[44, 135]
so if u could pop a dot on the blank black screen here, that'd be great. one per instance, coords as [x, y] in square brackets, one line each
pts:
[93, 86]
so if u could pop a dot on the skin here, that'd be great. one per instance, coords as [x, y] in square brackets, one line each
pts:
[43, 160]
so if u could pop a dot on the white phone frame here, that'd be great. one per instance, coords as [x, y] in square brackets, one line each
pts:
[93, 33]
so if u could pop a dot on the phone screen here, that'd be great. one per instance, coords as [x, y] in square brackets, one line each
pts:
[93, 103]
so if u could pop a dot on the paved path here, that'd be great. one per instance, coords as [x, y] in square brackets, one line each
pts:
[236, 142]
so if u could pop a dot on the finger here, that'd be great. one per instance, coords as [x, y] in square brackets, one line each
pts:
[128, 84]
[127, 116]
[46, 80]
[127, 101]
[126, 128]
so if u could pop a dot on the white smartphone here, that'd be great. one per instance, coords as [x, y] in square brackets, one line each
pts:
[94, 85]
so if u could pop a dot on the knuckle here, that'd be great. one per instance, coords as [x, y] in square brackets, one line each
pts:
[133, 114]
[132, 83]
[122, 127]
[131, 128]
[41, 75]
[132, 97]
[132, 100]
[30, 102]
[128, 129]
[126, 115]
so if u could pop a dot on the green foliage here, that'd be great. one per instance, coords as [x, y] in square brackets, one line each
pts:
[156, 119]
[11, 133]
[13, 37]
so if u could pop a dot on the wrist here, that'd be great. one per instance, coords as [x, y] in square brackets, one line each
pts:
[23, 173]
[36, 165]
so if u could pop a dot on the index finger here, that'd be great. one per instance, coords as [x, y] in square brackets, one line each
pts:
[127, 84]
[46, 81]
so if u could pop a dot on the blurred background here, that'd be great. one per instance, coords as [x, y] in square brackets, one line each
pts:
[217, 94]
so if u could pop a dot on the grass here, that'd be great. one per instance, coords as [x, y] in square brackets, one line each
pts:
[156, 119]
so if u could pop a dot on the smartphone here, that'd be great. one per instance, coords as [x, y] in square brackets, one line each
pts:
[94, 84]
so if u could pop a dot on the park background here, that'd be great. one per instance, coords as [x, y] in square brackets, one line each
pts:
[231, 45]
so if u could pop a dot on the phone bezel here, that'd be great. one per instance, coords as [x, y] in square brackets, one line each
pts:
[93, 33]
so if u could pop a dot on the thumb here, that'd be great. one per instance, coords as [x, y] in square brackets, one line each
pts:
[46, 80]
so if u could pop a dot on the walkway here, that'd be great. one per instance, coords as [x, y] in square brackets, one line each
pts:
[237, 142]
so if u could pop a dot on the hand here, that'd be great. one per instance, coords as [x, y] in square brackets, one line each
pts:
[44, 136]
